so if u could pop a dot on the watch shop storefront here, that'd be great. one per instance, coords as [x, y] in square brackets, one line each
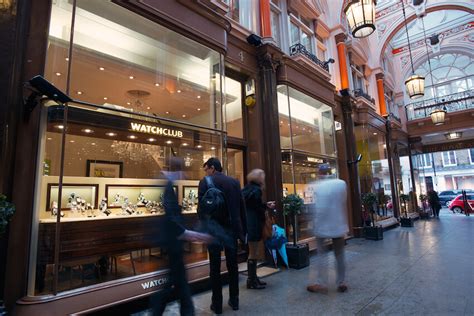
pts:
[143, 93]
[307, 140]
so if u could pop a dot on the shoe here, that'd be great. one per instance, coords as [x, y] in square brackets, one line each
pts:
[217, 311]
[234, 303]
[261, 282]
[317, 288]
[253, 284]
[342, 288]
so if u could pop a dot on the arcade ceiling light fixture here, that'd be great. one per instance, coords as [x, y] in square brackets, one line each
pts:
[360, 15]
[438, 116]
[415, 84]
[453, 135]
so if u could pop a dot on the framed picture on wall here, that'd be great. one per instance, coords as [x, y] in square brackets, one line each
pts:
[104, 169]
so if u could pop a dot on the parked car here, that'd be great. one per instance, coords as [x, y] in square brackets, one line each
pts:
[457, 205]
[447, 196]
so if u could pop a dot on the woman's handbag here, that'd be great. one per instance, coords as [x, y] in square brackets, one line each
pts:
[268, 225]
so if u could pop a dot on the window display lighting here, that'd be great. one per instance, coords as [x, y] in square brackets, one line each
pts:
[87, 130]
[111, 134]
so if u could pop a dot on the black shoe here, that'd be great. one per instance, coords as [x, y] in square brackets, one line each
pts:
[217, 311]
[253, 284]
[234, 303]
[261, 282]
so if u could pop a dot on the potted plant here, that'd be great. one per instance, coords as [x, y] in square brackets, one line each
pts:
[405, 221]
[372, 232]
[7, 210]
[298, 255]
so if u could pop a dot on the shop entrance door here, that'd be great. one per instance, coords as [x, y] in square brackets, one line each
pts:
[236, 164]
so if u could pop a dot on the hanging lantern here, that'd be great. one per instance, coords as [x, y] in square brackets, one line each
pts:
[361, 17]
[438, 116]
[415, 85]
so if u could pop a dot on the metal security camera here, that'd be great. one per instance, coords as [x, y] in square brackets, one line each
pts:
[44, 87]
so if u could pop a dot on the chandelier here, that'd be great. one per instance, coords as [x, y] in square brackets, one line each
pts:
[415, 84]
[360, 15]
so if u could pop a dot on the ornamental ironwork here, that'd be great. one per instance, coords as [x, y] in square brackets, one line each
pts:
[300, 49]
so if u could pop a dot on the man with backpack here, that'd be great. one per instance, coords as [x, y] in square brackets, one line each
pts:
[222, 210]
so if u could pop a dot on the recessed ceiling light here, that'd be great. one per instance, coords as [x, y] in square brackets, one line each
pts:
[87, 130]
[101, 68]
[49, 138]
[111, 134]
[112, 145]
[72, 141]
[198, 109]
[199, 146]
[198, 96]
[58, 74]
[179, 91]
[93, 144]
[184, 144]
[60, 126]
[67, 59]
[169, 142]
[132, 137]
[131, 77]
[79, 92]
[213, 148]
[105, 98]
[128, 103]
[157, 84]
[148, 107]
[167, 112]
[375, 133]
[151, 139]
[281, 122]
[184, 115]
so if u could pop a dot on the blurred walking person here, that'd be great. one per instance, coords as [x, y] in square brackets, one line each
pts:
[330, 222]
[255, 210]
[435, 204]
[171, 239]
[221, 203]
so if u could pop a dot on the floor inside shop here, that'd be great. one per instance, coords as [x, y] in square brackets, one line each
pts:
[424, 270]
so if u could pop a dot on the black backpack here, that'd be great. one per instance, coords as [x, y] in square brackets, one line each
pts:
[213, 205]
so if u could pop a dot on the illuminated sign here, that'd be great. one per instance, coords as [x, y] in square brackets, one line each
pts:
[162, 131]
[316, 160]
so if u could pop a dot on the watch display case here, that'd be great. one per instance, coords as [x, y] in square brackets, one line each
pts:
[190, 199]
[74, 196]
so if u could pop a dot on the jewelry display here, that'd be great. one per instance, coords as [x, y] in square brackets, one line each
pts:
[54, 208]
[103, 207]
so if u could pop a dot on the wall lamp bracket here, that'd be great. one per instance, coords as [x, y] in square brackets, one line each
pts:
[358, 159]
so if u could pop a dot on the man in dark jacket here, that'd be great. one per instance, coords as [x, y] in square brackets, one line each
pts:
[237, 230]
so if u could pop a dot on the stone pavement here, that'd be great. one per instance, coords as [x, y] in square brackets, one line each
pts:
[428, 269]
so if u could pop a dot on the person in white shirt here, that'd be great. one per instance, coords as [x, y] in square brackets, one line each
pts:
[330, 222]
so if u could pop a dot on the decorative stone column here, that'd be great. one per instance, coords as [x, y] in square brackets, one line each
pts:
[393, 178]
[341, 56]
[381, 94]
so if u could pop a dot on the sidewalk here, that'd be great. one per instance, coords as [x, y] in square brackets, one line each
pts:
[428, 269]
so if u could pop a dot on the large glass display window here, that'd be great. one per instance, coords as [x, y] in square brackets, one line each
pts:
[307, 141]
[374, 172]
[144, 94]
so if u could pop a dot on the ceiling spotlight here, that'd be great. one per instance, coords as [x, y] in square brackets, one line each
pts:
[184, 115]
[128, 103]
[199, 146]
[79, 92]
[132, 137]
[101, 68]
[148, 107]
[105, 98]
[87, 130]
[167, 112]
[199, 109]
[179, 91]
[131, 77]
[151, 139]
[198, 97]
[67, 59]
[60, 126]
[375, 133]
[213, 148]
[49, 138]
[184, 144]
[72, 141]
[169, 142]
[93, 144]
[58, 74]
[157, 84]
[111, 134]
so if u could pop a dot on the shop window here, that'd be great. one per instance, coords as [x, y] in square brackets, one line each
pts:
[107, 183]
[246, 13]
[449, 158]
[233, 108]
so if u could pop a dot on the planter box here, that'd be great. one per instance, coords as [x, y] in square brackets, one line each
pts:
[374, 233]
[406, 222]
[298, 256]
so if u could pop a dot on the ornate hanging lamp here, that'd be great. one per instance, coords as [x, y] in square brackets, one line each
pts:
[415, 84]
[361, 17]
[438, 116]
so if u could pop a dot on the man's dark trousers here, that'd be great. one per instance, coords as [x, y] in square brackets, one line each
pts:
[215, 273]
